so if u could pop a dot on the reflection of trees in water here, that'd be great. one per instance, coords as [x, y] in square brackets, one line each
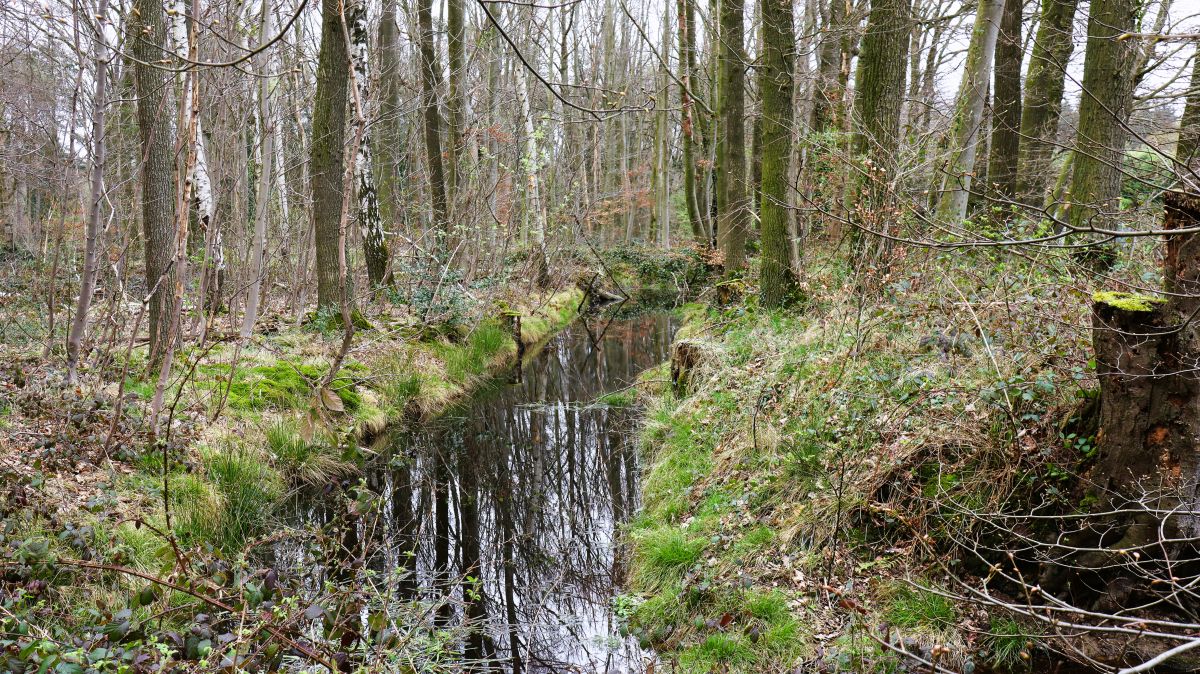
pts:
[520, 491]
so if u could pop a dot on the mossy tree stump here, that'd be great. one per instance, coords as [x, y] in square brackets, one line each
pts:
[1148, 364]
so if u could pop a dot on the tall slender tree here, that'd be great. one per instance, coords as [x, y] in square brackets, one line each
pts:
[375, 249]
[777, 90]
[733, 208]
[1005, 146]
[965, 131]
[155, 105]
[87, 283]
[430, 84]
[327, 153]
[455, 100]
[1042, 105]
[685, 12]
[390, 119]
[268, 118]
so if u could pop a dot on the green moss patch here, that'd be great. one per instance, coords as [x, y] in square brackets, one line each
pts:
[1128, 301]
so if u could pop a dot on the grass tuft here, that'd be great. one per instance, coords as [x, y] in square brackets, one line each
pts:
[303, 462]
[1010, 644]
[912, 607]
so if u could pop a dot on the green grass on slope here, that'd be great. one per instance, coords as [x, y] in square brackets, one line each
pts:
[763, 482]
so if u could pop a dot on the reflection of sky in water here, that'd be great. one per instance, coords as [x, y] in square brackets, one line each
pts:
[554, 474]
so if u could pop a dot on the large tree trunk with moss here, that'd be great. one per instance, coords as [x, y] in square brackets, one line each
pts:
[1042, 106]
[1146, 354]
[965, 131]
[155, 94]
[328, 152]
[733, 208]
[882, 65]
[776, 89]
[1108, 84]
[1005, 146]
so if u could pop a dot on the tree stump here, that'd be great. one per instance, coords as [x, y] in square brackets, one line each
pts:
[1148, 364]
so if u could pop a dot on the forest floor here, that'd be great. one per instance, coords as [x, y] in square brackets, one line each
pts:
[813, 473]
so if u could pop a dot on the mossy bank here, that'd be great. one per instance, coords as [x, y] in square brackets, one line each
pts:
[799, 474]
[224, 485]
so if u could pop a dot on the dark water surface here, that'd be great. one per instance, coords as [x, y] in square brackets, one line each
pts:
[521, 489]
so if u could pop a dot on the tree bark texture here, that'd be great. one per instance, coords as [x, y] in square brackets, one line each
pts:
[1108, 84]
[328, 152]
[1005, 146]
[734, 206]
[155, 94]
[966, 131]
[1042, 106]
[777, 90]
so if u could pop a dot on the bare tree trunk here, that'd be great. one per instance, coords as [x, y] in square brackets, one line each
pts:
[269, 118]
[965, 131]
[148, 27]
[1108, 84]
[777, 89]
[733, 202]
[327, 153]
[687, 45]
[87, 284]
[389, 121]
[198, 176]
[1189, 122]
[534, 208]
[375, 249]
[1042, 106]
[1006, 105]
[188, 126]
[430, 83]
[828, 103]
[882, 66]
[456, 53]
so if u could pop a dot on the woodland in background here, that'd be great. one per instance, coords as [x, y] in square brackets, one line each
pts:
[203, 176]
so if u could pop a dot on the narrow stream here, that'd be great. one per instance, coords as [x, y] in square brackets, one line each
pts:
[522, 488]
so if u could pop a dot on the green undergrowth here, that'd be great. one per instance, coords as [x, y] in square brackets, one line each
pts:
[784, 484]
[218, 495]
[651, 274]
[276, 432]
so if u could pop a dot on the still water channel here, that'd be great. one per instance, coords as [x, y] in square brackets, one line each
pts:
[520, 490]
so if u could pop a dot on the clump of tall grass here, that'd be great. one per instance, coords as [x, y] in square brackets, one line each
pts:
[301, 461]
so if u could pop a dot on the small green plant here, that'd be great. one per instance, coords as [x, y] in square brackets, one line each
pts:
[1010, 644]
[912, 607]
